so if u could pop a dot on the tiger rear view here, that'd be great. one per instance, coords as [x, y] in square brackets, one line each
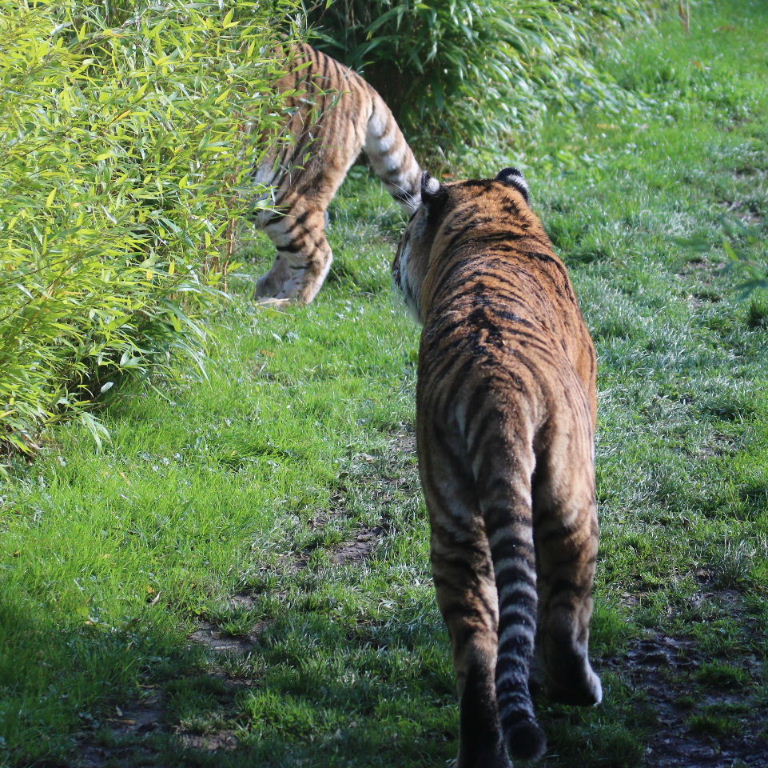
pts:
[506, 412]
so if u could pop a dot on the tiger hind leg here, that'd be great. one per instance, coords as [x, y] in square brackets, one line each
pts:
[466, 594]
[474, 640]
[566, 542]
[303, 260]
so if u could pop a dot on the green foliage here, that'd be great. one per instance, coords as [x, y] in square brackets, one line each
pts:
[719, 675]
[124, 149]
[244, 502]
[713, 724]
[473, 72]
[758, 312]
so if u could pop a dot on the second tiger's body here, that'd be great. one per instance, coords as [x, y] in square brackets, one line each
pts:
[332, 115]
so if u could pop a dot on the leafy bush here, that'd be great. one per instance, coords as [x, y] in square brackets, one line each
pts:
[472, 72]
[124, 150]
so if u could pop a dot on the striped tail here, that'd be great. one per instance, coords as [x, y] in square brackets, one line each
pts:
[391, 157]
[509, 527]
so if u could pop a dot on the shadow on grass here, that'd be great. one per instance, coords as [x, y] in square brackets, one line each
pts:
[308, 691]
[323, 685]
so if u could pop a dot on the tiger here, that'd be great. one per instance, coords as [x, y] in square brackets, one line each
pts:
[506, 413]
[332, 114]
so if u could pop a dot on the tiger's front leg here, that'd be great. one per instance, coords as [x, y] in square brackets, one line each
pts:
[303, 260]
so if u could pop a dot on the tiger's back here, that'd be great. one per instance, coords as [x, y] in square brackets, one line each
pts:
[332, 115]
[506, 411]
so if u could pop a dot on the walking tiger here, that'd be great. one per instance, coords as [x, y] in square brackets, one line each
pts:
[332, 115]
[506, 411]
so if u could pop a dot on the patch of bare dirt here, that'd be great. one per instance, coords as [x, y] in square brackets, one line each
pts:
[359, 548]
[748, 213]
[707, 269]
[224, 741]
[130, 726]
[663, 668]
[214, 639]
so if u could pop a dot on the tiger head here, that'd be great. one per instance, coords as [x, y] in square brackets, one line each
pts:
[448, 215]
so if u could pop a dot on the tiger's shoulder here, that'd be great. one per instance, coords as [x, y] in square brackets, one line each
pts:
[477, 268]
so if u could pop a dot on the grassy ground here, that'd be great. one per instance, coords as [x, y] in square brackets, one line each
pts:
[240, 577]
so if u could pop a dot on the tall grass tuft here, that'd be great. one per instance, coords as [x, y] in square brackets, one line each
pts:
[127, 135]
[461, 73]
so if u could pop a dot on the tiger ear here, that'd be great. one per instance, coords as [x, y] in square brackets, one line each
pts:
[432, 191]
[515, 178]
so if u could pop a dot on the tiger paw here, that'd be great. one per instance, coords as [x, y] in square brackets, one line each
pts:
[581, 687]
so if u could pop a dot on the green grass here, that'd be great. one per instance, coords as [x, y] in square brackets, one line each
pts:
[254, 482]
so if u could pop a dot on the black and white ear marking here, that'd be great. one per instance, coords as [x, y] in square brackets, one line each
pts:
[514, 177]
[432, 190]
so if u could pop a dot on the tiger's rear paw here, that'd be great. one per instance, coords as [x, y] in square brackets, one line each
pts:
[581, 687]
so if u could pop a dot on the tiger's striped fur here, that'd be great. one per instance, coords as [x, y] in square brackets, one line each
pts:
[506, 415]
[333, 115]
